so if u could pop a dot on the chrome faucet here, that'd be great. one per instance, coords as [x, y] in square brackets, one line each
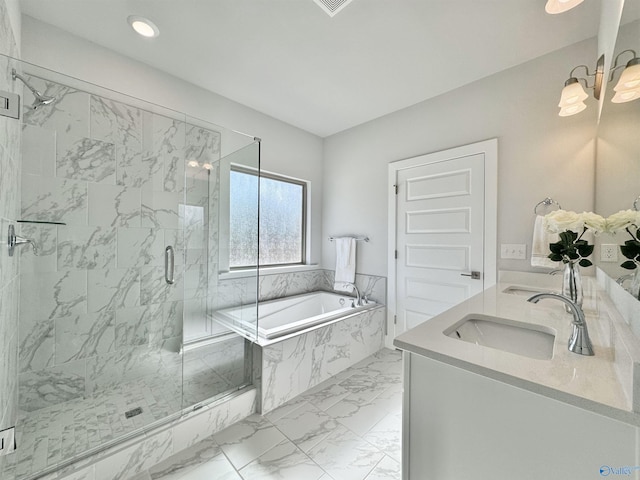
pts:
[579, 342]
[358, 296]
[620, 281]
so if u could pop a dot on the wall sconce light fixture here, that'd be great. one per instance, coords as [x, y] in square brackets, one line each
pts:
[627, 89]
[573, 94]
[560, 6]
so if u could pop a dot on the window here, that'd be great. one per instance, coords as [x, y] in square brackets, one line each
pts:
[282, 219]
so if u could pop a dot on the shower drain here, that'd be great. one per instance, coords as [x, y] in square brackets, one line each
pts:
[133, 412]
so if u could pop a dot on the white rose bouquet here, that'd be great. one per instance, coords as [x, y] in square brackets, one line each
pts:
[571, 227]
[629, 221]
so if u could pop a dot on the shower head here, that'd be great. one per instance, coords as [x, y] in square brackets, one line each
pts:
[40, 99]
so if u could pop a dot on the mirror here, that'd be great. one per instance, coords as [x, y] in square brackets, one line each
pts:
[617, 183]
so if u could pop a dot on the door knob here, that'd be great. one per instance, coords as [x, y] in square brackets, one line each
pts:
[474, 275]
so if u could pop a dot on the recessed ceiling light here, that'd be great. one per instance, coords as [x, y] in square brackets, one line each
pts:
[143, 26]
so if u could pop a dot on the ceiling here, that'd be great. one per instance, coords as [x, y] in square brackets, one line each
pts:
[290, 60]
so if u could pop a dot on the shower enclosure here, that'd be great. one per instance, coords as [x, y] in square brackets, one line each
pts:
[127, 203]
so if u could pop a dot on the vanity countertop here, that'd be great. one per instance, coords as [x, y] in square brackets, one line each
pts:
[602, 383]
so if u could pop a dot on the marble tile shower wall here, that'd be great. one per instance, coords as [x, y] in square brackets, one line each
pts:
[95, 311]
[9, 205]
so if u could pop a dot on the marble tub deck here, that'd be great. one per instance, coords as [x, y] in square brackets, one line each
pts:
[346, 428]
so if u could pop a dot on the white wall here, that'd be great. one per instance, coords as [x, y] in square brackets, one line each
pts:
[539, 153]
[285, 149]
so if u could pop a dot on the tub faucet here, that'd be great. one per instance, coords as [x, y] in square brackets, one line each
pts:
[620, 281]
[358, 296]
[579, 342]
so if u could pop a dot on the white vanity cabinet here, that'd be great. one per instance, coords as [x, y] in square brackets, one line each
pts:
[461, 425]
[475, 412]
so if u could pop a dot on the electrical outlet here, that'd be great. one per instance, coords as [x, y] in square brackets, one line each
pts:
[513, 251]
[609, 253]
[7, 440]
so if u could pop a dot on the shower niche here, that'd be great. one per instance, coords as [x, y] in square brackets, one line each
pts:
[106, 347]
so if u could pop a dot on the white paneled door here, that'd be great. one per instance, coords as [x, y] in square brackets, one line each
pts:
[439, 234]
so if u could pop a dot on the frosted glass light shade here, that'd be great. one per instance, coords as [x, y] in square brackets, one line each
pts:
[628, 87]
[560, 6]
[572, 109]
[572, 93]
[626, 95]
[630, 77]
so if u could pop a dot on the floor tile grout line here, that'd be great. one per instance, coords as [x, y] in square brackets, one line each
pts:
[329, 434]
[298, 446]
[228, 460]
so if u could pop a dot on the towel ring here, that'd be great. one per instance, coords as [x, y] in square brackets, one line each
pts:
[546, 202]
[635, 204]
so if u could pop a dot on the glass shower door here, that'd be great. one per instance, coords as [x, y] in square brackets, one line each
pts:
[113, 330]
[100, 322]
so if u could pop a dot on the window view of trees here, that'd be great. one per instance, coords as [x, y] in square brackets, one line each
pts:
[282, 204]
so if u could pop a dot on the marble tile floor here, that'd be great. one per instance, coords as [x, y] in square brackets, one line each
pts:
[60, 432]
[346, 428]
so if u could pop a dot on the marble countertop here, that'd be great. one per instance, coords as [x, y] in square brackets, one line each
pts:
[602, 383]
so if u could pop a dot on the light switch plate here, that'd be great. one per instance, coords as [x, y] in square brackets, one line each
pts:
[513, 251]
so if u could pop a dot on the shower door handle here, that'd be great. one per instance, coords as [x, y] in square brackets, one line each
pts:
[169, 264]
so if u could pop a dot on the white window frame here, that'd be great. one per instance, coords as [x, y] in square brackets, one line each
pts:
[224, 244]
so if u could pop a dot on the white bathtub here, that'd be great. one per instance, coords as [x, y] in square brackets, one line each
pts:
[288, 315]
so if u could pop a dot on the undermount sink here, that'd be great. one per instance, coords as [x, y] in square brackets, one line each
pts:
[526, 291]
[529, 340]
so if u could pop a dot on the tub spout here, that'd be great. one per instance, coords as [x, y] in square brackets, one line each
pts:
[358, 296]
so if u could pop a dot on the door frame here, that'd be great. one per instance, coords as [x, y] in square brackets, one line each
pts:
[489, 148]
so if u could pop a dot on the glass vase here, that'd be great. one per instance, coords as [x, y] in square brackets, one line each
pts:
[572, 284]
[634, 288]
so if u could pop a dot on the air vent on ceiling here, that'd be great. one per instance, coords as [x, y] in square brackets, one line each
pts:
[331, 7]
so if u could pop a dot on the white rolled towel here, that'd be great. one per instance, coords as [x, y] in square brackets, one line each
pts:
[345, 263]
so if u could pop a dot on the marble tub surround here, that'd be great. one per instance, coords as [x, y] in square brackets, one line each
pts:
[234, 291]
[230, 290]
[348, 427]
[591, 383]
[293, 366]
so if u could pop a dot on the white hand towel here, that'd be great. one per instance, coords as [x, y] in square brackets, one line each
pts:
[345, 263]
[540, 245]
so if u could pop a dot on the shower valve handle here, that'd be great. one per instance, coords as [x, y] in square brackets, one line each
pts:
[14, 240]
